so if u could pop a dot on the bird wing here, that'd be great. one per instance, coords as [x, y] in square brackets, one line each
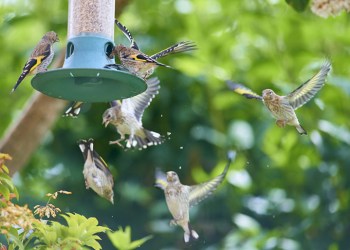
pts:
[201, 191]
[128, 35]
[242, 90]
[141, 57]
[161, 181]
[308, 90]
[39, 54]
[176, 48]
[102, 165]
[140, 102]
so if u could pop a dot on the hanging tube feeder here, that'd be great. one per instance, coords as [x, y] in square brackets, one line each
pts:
[90, 41]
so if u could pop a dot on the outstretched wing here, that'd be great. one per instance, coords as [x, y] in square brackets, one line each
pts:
[128, 35]
[140, 102]
[242, 90]
[308, 90]
[176, 48]
[160, 181]
[201, 191]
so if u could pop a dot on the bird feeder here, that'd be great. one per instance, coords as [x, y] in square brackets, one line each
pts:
[90, 41]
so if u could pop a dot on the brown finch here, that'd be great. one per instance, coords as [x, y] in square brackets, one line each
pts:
[126, 116]
[139, 63]
[40, 58]
[283, 107]
[179, 198]
[96, 172]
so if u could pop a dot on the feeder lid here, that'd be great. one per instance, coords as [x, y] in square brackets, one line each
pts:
[88, 84]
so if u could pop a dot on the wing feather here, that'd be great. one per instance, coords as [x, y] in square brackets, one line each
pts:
[140, 102]
[308, 90]
[201, 191]
[176, 48]
[242, 90]
[128, 35]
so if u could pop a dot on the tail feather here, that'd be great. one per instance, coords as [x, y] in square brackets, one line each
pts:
[301, 130]
[150, 138]
[26, 70]
[190, 235]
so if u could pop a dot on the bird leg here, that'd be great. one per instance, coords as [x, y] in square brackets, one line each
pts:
[117, 142]
[281, 123]
[172, 223]
[122, 138]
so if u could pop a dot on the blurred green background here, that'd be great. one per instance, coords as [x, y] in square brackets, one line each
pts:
[284, 191]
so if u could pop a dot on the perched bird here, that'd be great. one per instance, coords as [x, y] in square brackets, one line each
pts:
[283, 107]
[40, 58]
[126, 116]
[179, 198]
[96, 172]
[139, 63]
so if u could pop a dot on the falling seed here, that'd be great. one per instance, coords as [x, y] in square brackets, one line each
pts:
[180, 167]
[71, 74]
[98, 74]
[161, 115]
[181, 147]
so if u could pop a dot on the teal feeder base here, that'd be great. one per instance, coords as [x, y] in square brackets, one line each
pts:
[83, 77]
[88, 85]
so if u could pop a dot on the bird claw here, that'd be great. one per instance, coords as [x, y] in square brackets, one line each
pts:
[116, 142]
[281, 123]
[172, 223]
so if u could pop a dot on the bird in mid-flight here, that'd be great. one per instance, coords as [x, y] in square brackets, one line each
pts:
[283, 107]
[179, 198]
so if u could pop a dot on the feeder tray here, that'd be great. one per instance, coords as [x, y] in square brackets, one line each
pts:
[88, 84]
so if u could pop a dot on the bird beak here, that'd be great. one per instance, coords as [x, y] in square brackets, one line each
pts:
[105, 122]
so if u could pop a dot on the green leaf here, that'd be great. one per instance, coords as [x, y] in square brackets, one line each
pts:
[4, 191]
[138, 243]
[122, 239]
[298, 5]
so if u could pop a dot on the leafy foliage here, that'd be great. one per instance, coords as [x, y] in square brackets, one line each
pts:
[122, 239]
[6, 184]
[79, 232]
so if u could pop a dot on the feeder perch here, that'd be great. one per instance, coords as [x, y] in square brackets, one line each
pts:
[90, 41]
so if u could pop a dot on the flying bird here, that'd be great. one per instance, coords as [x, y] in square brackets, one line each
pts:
[179, 198]
[96, 172]
[283, 107]
[40, 58]
[126, 116]
[140, 64]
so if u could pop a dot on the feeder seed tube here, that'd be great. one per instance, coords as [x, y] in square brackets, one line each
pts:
[91, 17]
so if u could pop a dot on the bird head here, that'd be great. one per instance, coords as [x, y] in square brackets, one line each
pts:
[119, 50]
[172, 177]
[110, 115]
[268, 94]
[51, 36]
